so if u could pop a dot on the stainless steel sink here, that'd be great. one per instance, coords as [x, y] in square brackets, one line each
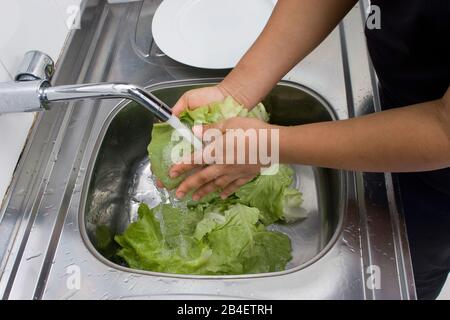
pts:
[120, 175]
[85, 166]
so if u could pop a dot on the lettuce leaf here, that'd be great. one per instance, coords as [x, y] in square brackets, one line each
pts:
[160, 151]
[151, 245]
[272, 195]
[219, 111]
[212, 236]
[161, 145]
[189, 242]
[292, 209]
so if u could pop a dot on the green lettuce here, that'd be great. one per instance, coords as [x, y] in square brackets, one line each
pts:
[212, 236]
[149, 244]
[170, 239]
[160, 151]
[222, 110]
[161, 145]
[272, 195]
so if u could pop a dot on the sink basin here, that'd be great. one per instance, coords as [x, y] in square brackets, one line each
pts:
[84, 169]
[119, 177]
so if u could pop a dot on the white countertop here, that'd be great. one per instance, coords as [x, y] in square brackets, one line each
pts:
[21, 33]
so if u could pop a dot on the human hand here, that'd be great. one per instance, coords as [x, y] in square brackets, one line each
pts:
[200, 97]
[220, 174]
[196, 98]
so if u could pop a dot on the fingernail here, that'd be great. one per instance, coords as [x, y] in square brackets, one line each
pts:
[180, 195]
[173, 174]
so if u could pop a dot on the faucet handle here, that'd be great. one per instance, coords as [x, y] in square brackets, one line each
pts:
[36, 65]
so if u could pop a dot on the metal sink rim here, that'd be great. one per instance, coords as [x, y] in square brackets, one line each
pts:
[189, 82]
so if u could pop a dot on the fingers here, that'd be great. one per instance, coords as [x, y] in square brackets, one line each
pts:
[198, 179]
[181, 104]
[209, 133]
[198, 97]
[193, 161]
[200, 130]
[234, 186]
[197, 158]
[180, 168]
[159, 184]
[215, 185]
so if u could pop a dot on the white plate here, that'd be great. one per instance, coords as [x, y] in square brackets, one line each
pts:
[211, 34]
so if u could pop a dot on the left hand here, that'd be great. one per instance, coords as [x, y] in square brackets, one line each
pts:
[226, 178]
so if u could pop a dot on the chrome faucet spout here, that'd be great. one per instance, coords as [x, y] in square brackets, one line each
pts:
[32, 90]
[107, 91]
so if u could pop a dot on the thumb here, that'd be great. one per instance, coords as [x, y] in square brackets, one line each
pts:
[180, 105]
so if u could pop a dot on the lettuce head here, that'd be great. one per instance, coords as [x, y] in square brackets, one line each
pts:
[212, 236]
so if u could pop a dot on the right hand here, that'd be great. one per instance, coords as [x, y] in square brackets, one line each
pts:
[199, 97]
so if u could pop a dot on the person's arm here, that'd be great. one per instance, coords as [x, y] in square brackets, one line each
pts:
[295, 28]
[414, 138]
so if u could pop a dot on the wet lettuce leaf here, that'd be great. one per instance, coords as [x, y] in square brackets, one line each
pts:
[150, 244]
[160, 151]
[104, 242]
[189, 241]
[212, 236]
[273, 196]
[222, 110]
[161, 145]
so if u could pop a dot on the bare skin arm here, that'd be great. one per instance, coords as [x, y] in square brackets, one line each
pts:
[415, 138]
[295, 28]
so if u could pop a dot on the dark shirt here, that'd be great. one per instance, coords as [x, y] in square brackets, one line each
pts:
[411, 51]
[411, 55]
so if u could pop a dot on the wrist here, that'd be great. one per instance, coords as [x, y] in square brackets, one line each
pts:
[284, 144]
[233, 90]
[242, 89]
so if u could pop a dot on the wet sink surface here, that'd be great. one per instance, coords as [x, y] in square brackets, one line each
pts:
[85, 162]
[120, 173]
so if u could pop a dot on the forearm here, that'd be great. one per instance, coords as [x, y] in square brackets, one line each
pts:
[415, 138]
[295, 28]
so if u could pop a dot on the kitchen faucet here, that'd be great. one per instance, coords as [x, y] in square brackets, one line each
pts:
[31, 91]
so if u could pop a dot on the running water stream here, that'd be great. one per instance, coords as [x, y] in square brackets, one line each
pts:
[185, 132]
